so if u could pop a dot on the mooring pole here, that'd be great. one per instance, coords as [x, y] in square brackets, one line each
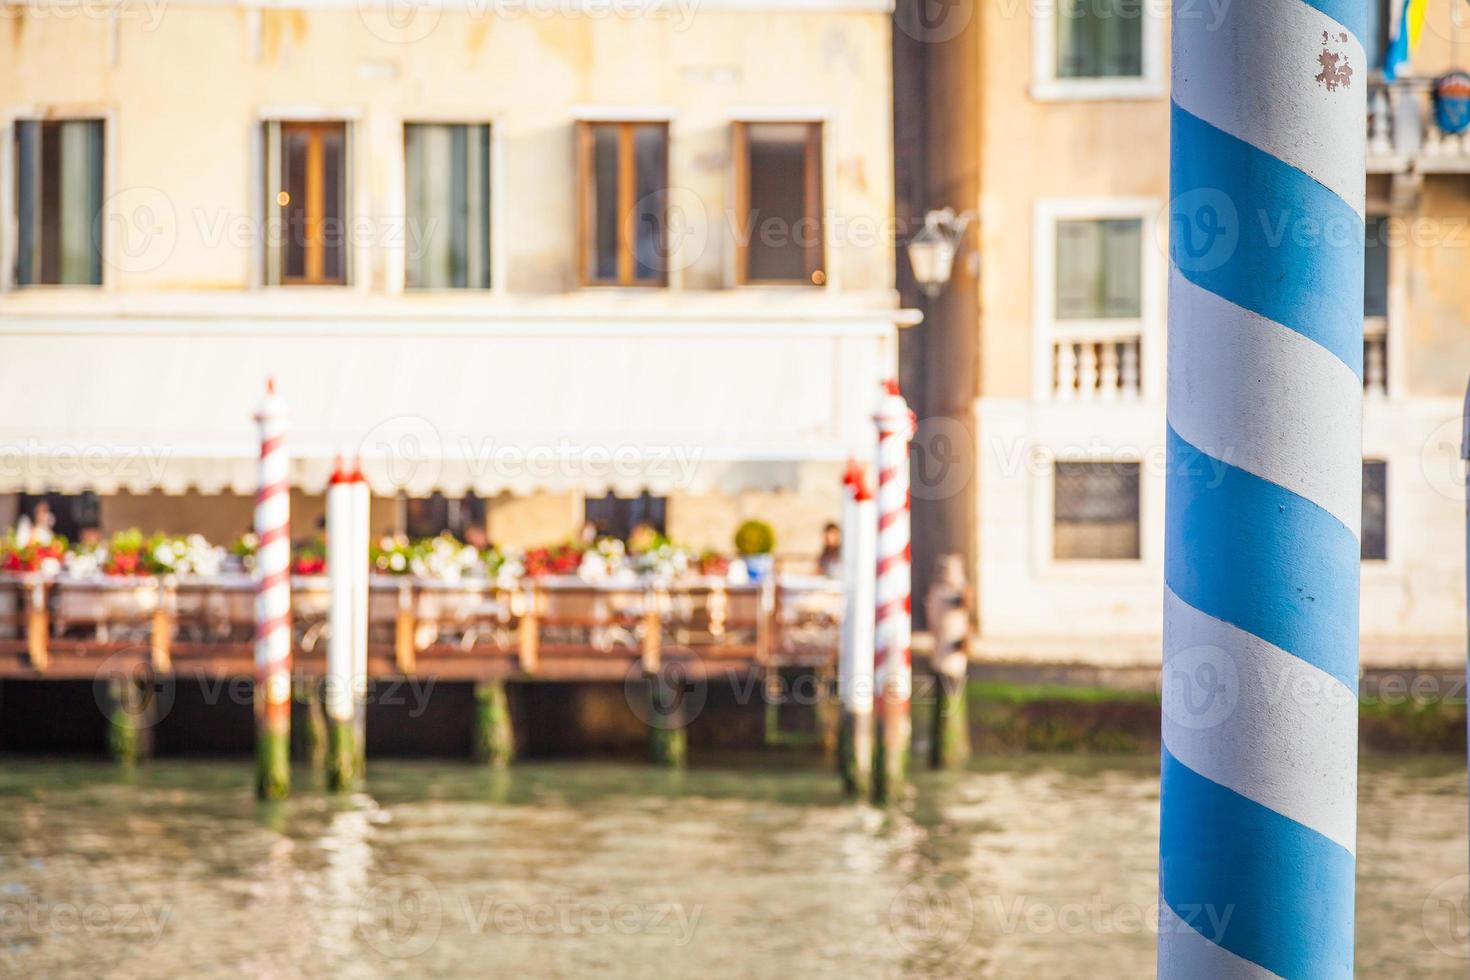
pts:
[361, 559]
[1263, 495]
[855, 659]
[893, 654]
[949, 624]
[345, 632]
[494, 736]
[273, 604]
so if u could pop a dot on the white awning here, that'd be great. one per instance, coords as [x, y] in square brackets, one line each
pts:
[450, 403]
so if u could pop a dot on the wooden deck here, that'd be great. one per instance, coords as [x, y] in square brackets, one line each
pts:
[546, 629]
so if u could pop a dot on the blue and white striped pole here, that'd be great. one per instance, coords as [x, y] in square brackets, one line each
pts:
[1258, 823]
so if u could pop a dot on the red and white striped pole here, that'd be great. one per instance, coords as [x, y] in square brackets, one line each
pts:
[893, 658]
[273, 603]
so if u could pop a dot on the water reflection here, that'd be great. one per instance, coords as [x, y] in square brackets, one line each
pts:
[1017, 867]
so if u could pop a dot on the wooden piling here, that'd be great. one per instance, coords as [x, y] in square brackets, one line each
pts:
[310, 737]
[161, 635]
[951, 722]
[529, 631]
[343, 755]
[405, 654]
[948, 606]
[494, 737]
[38, 628]
[668, 741]
[855, 753]
[129, 722]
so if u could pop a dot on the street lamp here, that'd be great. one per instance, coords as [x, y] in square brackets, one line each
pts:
[932, 251]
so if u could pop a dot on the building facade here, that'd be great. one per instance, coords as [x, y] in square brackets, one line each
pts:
[533, 263]
[1055, 135]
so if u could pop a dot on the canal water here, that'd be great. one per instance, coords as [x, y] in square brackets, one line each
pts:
[1018, 867]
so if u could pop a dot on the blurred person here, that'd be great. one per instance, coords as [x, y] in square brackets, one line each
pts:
[830, 560]
[475, 537]
[36, 527]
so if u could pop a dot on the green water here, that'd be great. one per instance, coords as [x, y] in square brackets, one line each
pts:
[1031, 867]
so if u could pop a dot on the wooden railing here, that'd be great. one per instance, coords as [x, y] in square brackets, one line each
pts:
[535, 627]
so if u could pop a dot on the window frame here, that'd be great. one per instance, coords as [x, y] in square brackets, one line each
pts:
[10, 191]
[627, 189]
[1048, 86]
[1055, 560]
[1047, 329]
[492, 212]
[316, 127]
[1379, 561]
[814, 189]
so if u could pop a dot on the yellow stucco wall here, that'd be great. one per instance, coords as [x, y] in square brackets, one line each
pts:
[187, 93]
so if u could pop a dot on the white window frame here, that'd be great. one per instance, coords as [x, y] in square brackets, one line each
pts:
[1114, 571]
[397, 198]
[674, 279]
[359, 255]
[826, 117]
[1047, 329]
[1047, 87]
[10, 174]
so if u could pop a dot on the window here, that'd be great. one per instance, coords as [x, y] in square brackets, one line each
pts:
[778, 180]
[1375, 272]
[1095, 511]
[1099, 39]
[1375, 510]
[306, 189]
[1375, 306]
[426, 517]
[623, 174]
[617, 516]
[448, 234]
[58, 202]
[1099, 269]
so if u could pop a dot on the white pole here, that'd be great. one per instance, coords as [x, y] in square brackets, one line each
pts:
[362, 537]
[342, 626]
[855, 664]
[346, 637]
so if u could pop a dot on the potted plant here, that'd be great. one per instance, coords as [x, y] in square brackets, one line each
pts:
[754, 542]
